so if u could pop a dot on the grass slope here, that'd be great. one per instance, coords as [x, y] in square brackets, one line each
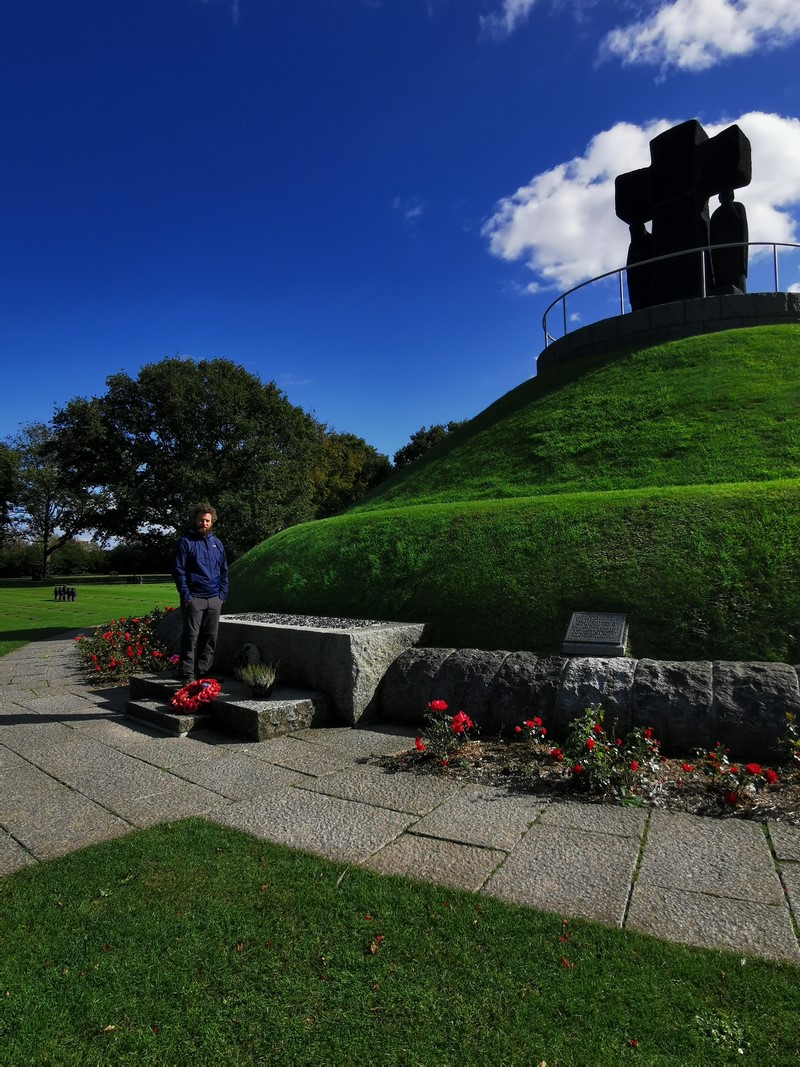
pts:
[718, 408]
[665, 483]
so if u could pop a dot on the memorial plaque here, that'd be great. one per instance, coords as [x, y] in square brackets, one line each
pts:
[596, 633]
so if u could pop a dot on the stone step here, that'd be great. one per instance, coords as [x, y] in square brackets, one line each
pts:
[157, 713]
[234, 711]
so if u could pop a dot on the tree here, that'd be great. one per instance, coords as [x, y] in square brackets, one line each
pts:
[346, 468]
[421, 441]
[8, 487]
[47, 509]
[185, 431]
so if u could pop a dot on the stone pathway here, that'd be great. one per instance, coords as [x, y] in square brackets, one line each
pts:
[76, 771]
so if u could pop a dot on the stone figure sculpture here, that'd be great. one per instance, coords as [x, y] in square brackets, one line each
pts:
[729, 227]
[686, 168]
[639, 279]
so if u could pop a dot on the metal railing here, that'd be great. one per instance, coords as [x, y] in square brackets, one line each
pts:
[702, 254]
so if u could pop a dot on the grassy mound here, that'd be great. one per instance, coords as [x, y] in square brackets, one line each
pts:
[665, 483]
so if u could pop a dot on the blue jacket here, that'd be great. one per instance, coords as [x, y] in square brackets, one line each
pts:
[199, 567]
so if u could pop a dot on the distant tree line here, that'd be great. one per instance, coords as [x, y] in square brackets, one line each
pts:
[125, 467]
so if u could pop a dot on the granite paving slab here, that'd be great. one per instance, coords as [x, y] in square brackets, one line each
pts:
[149, 744]
[11, 694]
[238, 776]
[490, 818]
[113, 699]
[790, 877]
[50, 819]
[302, 755]
[136, 791]
[785, 841]
[373, 785]
[10, 759]
[58, 703]
[126, 785]
[445, 862]
[341, 830]
[595, 818]
[30, 669]
[363, 742]
[28, 738]
[728, 858]
[707, 921]
[180, 801]
[13, 857]
[570, 873]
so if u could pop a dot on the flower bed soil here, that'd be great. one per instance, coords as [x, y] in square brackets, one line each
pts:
[525, 767]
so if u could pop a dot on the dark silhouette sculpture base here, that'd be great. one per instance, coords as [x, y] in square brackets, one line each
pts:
[687, 167]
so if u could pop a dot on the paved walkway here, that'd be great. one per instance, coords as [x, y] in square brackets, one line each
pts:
[75, 771]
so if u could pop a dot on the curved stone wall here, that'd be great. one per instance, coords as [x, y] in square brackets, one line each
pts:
[669, 322]
[690, 705]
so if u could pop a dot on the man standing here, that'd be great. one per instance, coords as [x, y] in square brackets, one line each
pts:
[200, 571]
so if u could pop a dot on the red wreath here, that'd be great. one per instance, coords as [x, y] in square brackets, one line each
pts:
[196, 693]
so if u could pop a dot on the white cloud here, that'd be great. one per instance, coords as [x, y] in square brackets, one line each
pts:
[563, 226]
[697, 34]
[501, 24]
[412, 208]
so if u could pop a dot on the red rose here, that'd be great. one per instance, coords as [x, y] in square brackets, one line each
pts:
[437, 705]
[577, 768]
[634, 765]
[730, 797]
[517, 729]
[590, 743]
[770, 776]
[753, 768]
[687, 768]
[418, 744]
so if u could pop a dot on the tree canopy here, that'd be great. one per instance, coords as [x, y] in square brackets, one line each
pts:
[423, 439]
[183, 431]
[346, 468]
[8, 487]
[46, 509]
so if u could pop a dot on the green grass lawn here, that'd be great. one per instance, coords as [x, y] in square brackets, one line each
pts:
[29, 612]
[188, 942]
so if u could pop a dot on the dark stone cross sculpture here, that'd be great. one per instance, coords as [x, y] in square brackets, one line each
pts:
[687, 167]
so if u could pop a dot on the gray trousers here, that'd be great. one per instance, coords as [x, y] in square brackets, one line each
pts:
[199, 639]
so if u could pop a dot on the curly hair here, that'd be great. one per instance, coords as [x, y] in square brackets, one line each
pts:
[201, 509]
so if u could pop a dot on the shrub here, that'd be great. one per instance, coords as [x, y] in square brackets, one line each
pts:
[607, 764]
[257, 675]
[124, 646]
[442, 734]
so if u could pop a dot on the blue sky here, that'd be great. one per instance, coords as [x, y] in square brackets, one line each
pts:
[369, 201]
